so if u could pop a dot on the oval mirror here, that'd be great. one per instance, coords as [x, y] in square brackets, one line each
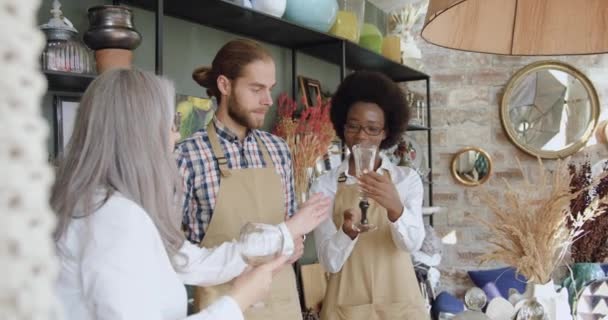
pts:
[549, 109]
[472, 166]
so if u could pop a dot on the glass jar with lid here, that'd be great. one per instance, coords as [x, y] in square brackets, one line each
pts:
[64, 51]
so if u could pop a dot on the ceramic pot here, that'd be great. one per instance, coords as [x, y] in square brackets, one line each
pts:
[315, 14]
[107, 59]
[554, 303]
[272, 7]
[111, 27]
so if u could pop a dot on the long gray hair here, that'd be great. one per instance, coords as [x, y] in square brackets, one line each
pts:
[121, 143]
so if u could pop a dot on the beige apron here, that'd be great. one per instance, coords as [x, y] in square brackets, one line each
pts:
[249, 195]
[377, 281]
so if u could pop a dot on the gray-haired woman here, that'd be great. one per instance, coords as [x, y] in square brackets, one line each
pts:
[122, 252]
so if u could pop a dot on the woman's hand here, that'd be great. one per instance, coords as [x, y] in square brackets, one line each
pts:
[309, 216]
[381, 189]
[254, 285]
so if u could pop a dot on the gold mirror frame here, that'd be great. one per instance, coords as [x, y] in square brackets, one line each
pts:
[601, 133]
[520, 76]
[469, 182]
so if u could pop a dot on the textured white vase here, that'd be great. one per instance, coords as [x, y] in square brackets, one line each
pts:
[555, 303]
[410, 53]
[272, 7]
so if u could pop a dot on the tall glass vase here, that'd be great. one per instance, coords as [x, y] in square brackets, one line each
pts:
[349, 20]
[303, 180]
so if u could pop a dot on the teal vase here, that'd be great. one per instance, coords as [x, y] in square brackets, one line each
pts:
[583, 273]
[315, 14]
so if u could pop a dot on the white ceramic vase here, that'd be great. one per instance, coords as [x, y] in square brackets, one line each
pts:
[272, 7]
[410, 53]
[242, 3]
[554, 303]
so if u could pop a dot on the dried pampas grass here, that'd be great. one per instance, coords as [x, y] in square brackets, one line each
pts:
[530, 230]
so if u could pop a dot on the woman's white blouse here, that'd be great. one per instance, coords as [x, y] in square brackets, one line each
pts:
[113, 265]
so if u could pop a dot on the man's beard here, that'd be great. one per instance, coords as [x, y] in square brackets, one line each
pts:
[241, 115]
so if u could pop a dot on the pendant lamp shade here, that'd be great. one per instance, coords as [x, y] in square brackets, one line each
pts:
[519, 27]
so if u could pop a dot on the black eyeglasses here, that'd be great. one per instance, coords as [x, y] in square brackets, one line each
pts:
[369, 130]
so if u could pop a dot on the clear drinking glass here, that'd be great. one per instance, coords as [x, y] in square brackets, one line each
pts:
[260, 243]
[365, 157]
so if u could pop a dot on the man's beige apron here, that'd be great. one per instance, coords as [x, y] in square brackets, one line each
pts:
[249, 195]
[377, 281]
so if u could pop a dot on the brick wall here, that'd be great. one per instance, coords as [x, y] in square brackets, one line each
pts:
[466, 91]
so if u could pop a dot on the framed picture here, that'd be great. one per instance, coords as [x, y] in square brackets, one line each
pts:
[65, 107]
[195, 113]
[310, 90]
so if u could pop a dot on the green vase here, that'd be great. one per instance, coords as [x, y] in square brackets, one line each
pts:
[582, 274]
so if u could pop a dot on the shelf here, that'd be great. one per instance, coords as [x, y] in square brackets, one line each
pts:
[227, 16]
[66, 81]
[415, 127]
[429, 211]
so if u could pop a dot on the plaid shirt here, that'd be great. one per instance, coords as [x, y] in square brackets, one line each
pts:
[201, 174]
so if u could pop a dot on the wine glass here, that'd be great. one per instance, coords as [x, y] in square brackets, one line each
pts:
[365, 158]
[260, 243]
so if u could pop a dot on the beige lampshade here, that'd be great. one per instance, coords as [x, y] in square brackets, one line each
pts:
[519, 27]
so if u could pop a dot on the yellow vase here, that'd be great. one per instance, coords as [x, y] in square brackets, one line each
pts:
[346, 26]
[391, 48]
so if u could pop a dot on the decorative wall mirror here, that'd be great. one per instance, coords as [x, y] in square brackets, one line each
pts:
[549, 109]
[602, 132]
[472, 166]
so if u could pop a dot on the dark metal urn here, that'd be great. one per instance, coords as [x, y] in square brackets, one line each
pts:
[111, 27]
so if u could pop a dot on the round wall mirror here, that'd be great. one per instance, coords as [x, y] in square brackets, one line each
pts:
[549, 109]
[601, 132]
[472, 166]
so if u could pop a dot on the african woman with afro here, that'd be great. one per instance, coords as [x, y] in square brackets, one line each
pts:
[372, 276]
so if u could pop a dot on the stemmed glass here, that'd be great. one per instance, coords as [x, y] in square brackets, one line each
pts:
[365, 158]
[260, 243]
